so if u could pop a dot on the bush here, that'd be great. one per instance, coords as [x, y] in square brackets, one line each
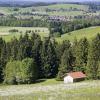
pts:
[11, 71]
[57, 34]
[21, 72]
[13, 31]
[60, 76]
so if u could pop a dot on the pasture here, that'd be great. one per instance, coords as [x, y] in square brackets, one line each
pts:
[52, 90]
[71, 10]
[89, 33]
[5, 34]
[68, 7]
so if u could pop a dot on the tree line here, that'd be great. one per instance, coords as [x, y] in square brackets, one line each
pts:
[56, 28]
[29, 58]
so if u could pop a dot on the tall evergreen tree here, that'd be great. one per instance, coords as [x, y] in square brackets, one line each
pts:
[61, 48]
[25, 47]
[49, 58]
[81, 53]
[66, 65]
[3, 60]
[93, 66]
[36, 51]
[14, 48]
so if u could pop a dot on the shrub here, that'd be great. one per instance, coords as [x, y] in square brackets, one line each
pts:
[13, 30]
[21, 72]
[10, 72]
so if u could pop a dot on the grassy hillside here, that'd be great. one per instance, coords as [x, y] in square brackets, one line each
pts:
[65, 6]
[86, 32]
[9, 10]
[60, 6]
[71, 10]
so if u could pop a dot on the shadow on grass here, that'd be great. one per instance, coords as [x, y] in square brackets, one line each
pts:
[40, 80]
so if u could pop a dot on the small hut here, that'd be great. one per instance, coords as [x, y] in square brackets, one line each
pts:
[74, 77]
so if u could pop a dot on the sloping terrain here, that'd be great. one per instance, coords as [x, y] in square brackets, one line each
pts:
[89, 33]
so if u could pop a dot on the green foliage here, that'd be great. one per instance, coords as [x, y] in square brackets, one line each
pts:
[81, 53]
[49, 58]
[57, 34]
[13, 30]
[11, 70]
[93, 66]
[21, 72]
[28, 71]
[29, 58]
[66, 61]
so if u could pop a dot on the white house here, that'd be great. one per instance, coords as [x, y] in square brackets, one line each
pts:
[74, 76]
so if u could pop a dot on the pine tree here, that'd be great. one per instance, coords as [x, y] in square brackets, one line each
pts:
[94, 59]
[60, 48]
[3, 60]
[81, 53]
[25, 47]
[66, 65]
[67, 60]
[14, 48]
[1, 65]
[49, 58]
[36, 51]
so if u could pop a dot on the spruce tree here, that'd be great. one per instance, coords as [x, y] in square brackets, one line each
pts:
[66, 65]
[25, 47]
[49, 58]
[2, 42]
[36, 51]
[14, 48]
[93, 66]
[3, 60]
[81, 53]
[66, 59]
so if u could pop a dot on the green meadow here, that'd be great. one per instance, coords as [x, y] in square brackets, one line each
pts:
[81, 8]
[5, 34]
[89, 33]
[50, 89]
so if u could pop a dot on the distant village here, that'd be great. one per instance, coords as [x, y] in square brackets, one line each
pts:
[53, 16]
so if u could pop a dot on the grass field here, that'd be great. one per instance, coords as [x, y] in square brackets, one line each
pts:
[58, 6]
[64, 6]
[68, 13]
[71, 10]
[5, 10]
[4, 32]
[89, 33]
[52, 90]
[41, 9]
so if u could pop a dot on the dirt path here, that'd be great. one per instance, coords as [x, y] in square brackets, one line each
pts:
[28, 89]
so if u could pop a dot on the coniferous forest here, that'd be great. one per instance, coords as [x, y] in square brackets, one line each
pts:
[29, 58]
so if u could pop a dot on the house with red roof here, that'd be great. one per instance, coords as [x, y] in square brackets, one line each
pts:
[74, 77]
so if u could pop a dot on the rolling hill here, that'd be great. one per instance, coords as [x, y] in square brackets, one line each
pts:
[81, 8]
[89, 33]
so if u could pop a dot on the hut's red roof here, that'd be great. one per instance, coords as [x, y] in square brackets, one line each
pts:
[76, 75]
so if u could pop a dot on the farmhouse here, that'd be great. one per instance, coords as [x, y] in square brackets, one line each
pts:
[74, 77]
